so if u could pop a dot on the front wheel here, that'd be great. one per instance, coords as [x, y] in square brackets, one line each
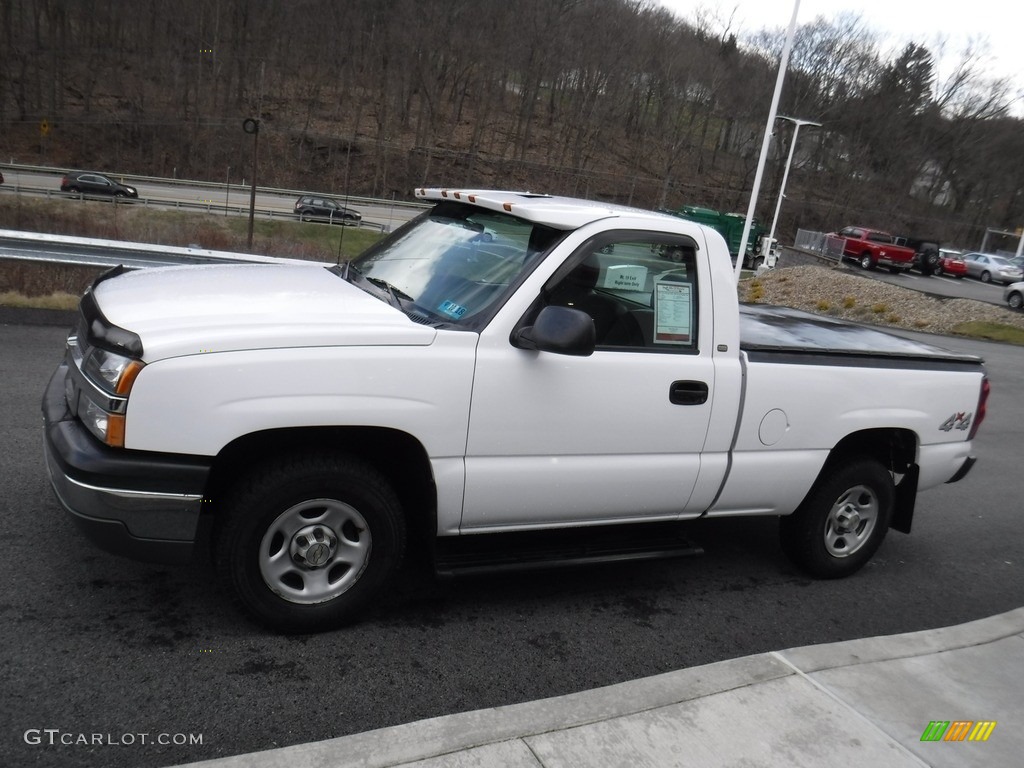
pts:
[842, 522]
[306, 541]
[1015, 300]
[866, 262]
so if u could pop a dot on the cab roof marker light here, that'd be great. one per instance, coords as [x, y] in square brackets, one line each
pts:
[458, 195]
[444, 193]
[507, 207]
[472, 198]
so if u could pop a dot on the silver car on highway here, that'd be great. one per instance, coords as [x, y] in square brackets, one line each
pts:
[989, 268]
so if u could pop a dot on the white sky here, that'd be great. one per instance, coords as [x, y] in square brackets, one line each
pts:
[945, 27]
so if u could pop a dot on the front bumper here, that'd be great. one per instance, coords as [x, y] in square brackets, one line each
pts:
[138, 504]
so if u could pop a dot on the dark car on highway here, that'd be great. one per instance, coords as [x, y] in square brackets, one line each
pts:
[90, 183]
[318, 208]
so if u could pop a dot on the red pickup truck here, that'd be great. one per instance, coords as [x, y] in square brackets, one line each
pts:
[873, 248]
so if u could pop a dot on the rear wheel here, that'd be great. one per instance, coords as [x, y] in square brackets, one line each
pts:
[986, 277]
[842, 522]
[307, 540]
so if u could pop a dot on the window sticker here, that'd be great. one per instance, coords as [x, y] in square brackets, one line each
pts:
[451, 309]
[673, 311]
[625, 277]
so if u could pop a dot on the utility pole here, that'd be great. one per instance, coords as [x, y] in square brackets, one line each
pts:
[252, 125]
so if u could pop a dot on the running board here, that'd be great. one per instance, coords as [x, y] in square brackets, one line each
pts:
[472, 554]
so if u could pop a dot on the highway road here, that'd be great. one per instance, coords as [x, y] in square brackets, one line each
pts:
[97, 645]
[222, 199]
[233, 199]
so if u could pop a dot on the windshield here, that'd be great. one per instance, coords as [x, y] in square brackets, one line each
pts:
[456, 263]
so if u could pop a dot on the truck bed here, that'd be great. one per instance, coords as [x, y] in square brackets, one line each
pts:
[773, 333]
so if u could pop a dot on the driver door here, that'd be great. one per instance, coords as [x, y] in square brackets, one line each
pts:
[613, 437]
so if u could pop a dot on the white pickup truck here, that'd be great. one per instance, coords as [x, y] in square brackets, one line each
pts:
[508, 380]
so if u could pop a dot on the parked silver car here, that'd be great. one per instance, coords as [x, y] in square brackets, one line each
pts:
[1013, 295]
[989, 268]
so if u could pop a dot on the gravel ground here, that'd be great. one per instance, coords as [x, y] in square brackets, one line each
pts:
[838, 292]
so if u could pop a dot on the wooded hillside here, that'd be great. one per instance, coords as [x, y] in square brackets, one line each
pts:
[609, 99]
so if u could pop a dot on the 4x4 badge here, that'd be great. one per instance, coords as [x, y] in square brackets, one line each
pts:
[957, 421]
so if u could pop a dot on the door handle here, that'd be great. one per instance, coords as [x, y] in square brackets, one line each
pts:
[688, 393]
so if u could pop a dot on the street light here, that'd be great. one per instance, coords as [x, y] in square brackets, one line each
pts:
[772, 111]
[785, 176]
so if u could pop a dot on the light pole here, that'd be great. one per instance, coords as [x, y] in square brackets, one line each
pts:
[768, 128]
[785, 175]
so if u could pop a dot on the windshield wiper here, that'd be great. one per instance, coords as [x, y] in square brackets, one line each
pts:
[395, 296]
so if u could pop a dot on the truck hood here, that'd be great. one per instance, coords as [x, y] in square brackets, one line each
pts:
[221, 308]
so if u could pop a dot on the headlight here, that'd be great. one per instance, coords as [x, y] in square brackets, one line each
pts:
[108, 427]
[102, 403]
[112, 372]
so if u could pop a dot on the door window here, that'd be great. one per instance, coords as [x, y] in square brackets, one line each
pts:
[641, 292]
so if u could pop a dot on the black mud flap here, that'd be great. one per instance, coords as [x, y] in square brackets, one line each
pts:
[904, 501]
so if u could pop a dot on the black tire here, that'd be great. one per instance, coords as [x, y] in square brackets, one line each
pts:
[305, 541]
[1015, 300]
[305, 216]
[866, 262]
[986, 277]
[843, 520]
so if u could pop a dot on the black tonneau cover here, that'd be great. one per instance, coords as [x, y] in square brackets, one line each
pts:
[775, 333]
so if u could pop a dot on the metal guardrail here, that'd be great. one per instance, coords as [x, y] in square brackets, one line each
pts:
[93, 252]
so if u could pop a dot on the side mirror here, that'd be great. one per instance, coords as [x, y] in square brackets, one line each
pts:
[561, 330]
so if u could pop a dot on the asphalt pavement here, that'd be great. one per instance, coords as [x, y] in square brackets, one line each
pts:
[463, 675]
[941, 697]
